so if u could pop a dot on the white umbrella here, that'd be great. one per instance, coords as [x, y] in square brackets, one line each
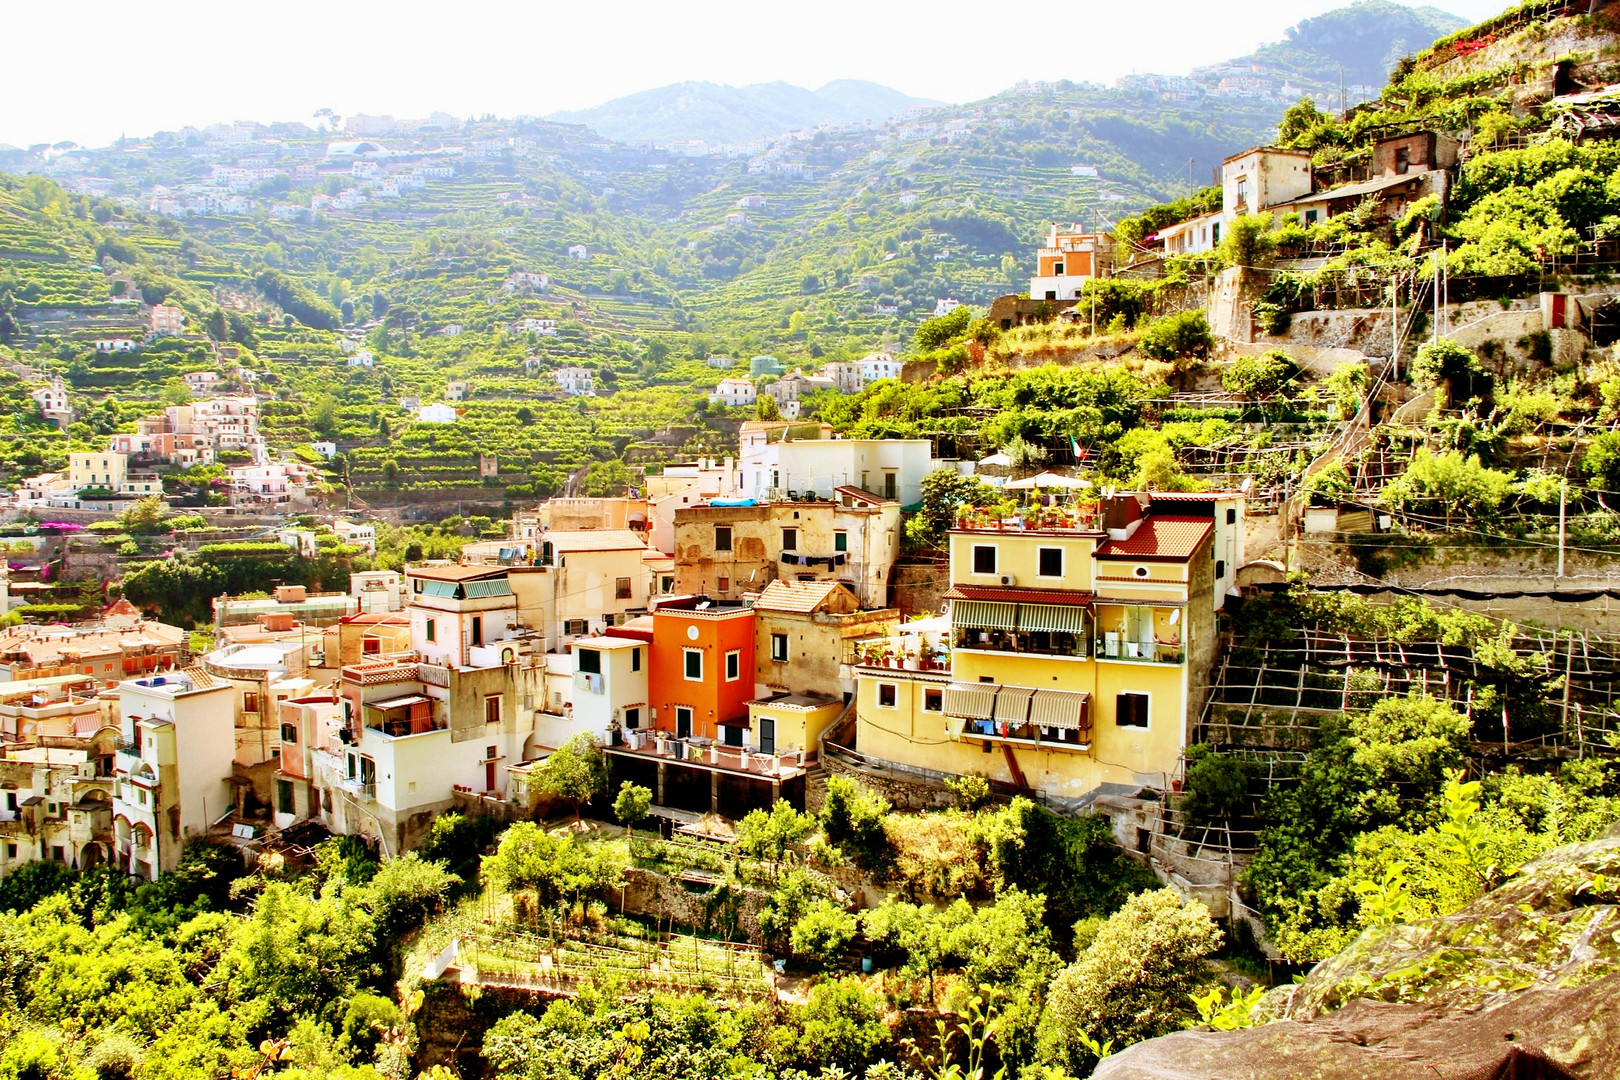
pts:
[1046, 480]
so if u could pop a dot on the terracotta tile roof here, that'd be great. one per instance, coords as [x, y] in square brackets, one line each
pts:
[594, 540]
[800, 597]
[1004, 595]
[1161, 536]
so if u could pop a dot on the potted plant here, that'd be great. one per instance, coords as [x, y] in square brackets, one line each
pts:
[908, 660]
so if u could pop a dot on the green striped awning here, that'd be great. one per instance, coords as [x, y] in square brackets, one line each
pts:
[1055, 618]
[984, 615]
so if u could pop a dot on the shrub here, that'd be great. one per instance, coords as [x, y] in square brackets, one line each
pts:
[1261, 376]
[1452, 370]
[1217, 786]
[1184, 335]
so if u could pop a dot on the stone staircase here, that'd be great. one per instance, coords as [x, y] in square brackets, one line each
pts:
[815, 788]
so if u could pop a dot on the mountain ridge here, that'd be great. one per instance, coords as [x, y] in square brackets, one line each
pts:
[718, 113]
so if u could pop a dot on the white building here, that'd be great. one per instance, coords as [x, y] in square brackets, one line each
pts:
[1192, 237]
[945, 306]
[578, 251]
[173, 768]
[362, 358]
[876, 366]
[356, 534]
[437, 413]
[734, 392]
[52, 400]
[575, 381]
[114, 345]
[889, 468]
[167, 321]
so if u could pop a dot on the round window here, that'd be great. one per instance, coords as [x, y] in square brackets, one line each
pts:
[1140, 571]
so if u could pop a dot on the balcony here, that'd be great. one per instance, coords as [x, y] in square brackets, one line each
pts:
[1080, 517]
[712, 756]
[1110, 647]
[1077, 740]
[1059, 643]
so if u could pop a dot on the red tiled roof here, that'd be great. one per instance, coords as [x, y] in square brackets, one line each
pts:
[1162, 536]
[862, 495]
[1193, 496]
[1004, 595]
[378, 618]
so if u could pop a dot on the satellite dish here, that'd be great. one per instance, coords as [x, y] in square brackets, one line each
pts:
[1175, 616]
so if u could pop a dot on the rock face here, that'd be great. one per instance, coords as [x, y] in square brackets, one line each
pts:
[1523, 983]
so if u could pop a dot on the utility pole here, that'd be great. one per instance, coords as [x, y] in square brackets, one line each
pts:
[1435, 285]
[1190, 163]
[1344, 105]
[1563, 490]
[1394, 327]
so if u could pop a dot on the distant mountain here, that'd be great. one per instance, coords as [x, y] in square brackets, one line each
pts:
[1365, 39]
[717, 114]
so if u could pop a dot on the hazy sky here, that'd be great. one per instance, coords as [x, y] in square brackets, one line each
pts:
[93, 70]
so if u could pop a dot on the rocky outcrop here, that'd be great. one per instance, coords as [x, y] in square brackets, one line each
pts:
[1522, 983]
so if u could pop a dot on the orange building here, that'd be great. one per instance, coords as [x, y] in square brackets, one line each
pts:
[701, 674]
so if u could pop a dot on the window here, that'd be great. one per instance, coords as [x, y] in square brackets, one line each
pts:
[416, 585]
[666, 584]
[933, 700]
[432, 631]
[250, 702]
[1144, 841]
[984, 558]
[722, 538]
[694, 665]
[790, 539]
[621, 588]
[1220, 568]
[284, 797]
[1242, 191]
[351, 766]
[1403, 158]
[588, 660]
[733, 665]
[632, 718]
[1057, 269]
[840, 540]
[683, 721]
[779, 648]
[57, 853]
[1050, 562]
[722, 584]
[11, 851]
[887, 693]
[635, 659]
[1131, 710]
[733, 735]
[891, 486]
[571, 626]
[1051, 294]
[477, 629]
[492, 709]
[289, 733]
[1231, 517]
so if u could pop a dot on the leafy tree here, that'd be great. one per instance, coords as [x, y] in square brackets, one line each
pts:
[944, 491]
[175, 392]
[771, 835]
[937, 333]
[1217, 786]
[842, 1025]
[853, 819]
[32, 882]
[822, 934]
[554, 867]
[1452, 370]
[577, 770]
[766, 408]
[796, 890]
[405, 892]
[632, 804]
[1261, 376]
[1455, 484]
[1133, 982]
[1182, 336]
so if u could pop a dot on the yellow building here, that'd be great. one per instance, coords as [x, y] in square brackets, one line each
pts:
[1077, 652]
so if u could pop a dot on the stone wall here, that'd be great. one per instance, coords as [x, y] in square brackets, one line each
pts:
[919, 588]
[904, 790]
[661, 897]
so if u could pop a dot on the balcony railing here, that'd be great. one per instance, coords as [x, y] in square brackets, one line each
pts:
[1151, 652]
[1030, 643]
[1078, 739]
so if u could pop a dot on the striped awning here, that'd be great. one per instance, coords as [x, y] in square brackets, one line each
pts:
[975, 701]
[984, 615]
[1060, 709]
[1056, 618]
[1012, 704]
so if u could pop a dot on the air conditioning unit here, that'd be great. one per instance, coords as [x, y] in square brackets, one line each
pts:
[1008, 579]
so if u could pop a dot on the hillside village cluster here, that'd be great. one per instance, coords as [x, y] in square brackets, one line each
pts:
[717, 635]
[723, 633]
